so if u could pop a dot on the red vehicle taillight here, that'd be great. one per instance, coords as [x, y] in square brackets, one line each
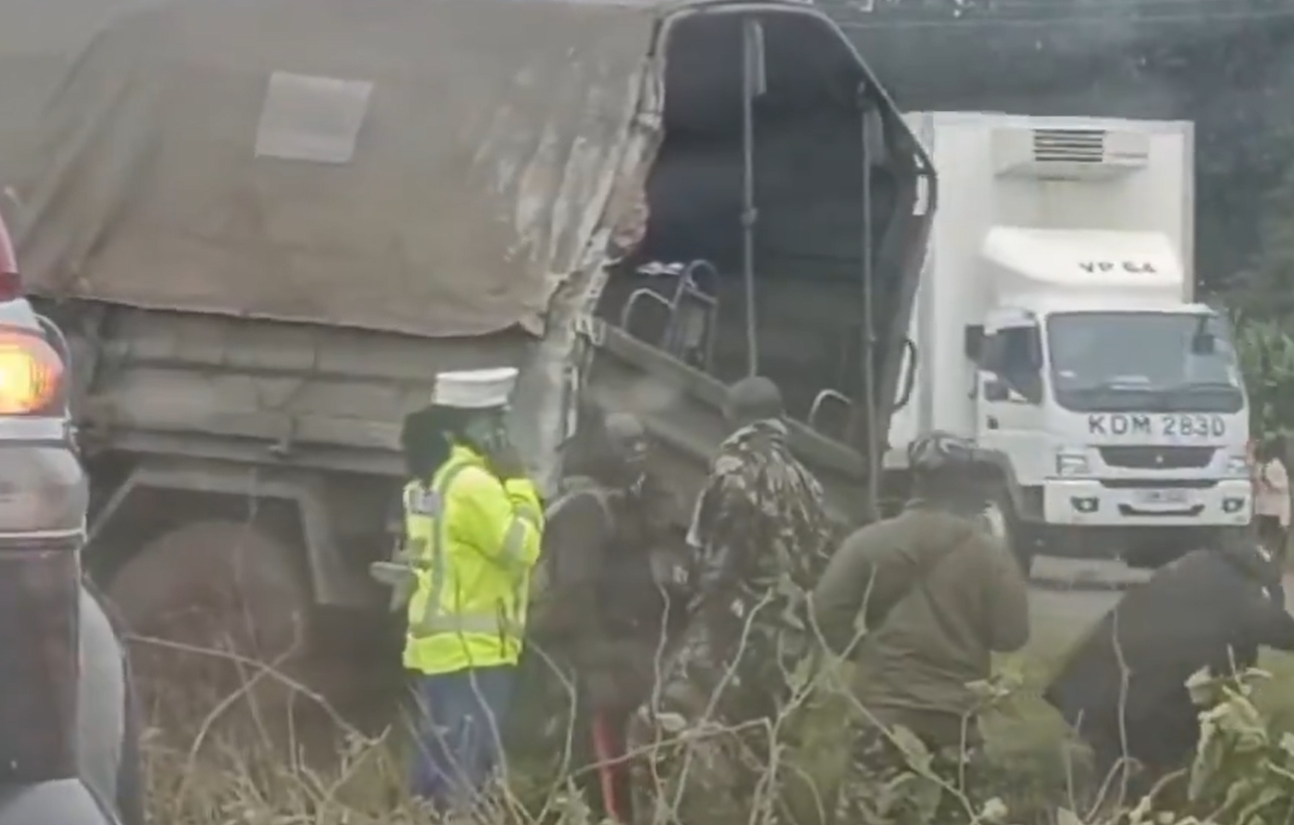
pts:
[31, 374]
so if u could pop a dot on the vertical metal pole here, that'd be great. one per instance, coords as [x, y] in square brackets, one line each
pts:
[871, 440]
[751, 63]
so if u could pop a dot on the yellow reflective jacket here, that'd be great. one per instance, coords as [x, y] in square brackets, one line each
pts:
[473, 541]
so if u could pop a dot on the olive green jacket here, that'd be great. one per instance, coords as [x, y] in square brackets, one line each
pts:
[920, 602]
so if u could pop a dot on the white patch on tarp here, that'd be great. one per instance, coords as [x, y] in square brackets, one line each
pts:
[311, 118]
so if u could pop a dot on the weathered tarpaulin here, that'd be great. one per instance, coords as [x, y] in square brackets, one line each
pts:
[38, 41]
[434, 167]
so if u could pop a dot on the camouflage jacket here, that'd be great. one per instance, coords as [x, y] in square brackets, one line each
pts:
[762, 534]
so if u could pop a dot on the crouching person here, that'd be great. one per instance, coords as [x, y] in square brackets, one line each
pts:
[614, 596]
[938, 595]
[1123, 688]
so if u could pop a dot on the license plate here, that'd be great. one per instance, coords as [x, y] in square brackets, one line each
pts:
[1163, 497]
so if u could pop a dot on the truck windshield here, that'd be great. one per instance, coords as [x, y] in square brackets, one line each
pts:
[1143, 361]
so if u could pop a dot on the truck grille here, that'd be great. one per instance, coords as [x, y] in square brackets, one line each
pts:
[1157, 458]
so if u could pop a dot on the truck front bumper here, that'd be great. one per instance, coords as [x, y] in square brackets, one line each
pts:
[1089, 502]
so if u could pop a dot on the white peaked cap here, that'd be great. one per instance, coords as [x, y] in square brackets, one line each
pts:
[474, 389]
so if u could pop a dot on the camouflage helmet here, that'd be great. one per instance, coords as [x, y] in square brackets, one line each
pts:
[940, 450]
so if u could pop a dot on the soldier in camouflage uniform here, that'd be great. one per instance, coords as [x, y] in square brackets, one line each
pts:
[761, 532]
[937, 596]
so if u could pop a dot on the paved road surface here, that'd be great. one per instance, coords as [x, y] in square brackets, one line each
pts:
[1070, 595]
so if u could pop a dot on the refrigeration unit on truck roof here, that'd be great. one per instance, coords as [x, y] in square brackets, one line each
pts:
[1055, 324]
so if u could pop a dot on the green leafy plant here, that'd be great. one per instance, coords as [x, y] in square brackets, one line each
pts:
[1265, 348]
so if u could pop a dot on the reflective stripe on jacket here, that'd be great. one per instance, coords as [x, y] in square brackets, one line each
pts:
[474, 540]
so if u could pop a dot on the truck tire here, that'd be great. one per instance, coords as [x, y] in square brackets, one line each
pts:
[999, 514]
[201, 601]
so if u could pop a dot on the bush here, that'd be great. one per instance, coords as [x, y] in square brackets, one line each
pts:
[1243, 774]
[1265, 348]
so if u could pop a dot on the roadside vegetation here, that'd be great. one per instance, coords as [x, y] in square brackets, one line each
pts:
[270, 774]
[1265, 346]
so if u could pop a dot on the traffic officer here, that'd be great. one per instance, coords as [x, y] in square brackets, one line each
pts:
[473, 523]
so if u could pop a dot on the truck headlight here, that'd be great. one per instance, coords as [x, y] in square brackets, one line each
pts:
[1237, 466]
[1072, 462]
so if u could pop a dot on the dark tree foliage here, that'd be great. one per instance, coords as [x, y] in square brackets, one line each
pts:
[1265, 289]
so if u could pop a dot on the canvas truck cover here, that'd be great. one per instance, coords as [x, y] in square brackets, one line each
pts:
[38, 41]
[432, 167]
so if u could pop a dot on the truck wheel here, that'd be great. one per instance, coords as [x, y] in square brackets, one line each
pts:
[999, 512]
[203, 600]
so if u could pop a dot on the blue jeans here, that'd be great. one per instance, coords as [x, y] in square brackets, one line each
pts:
[459, 744]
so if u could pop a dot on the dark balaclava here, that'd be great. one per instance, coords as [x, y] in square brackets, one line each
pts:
[485, 431]
[429, 433]
[424, 441]
[627, 447]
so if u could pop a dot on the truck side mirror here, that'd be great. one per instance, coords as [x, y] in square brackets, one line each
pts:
[909, 374]
[995, 389]
[973, 341]
[1035, 349]
[1204, 343]
[1030, 387]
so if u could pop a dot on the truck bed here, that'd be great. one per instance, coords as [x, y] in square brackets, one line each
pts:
[153, 382]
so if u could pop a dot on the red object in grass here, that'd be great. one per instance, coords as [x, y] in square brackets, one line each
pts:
[607, 755]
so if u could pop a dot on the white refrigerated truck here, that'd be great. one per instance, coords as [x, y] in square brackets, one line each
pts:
[1056, 325]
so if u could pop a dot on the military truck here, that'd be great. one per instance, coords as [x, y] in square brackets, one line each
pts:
[266, 224]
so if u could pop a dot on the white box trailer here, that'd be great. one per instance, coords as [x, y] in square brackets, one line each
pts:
[1055, 324]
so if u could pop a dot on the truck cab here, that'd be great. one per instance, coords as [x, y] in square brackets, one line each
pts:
[1059, 329]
